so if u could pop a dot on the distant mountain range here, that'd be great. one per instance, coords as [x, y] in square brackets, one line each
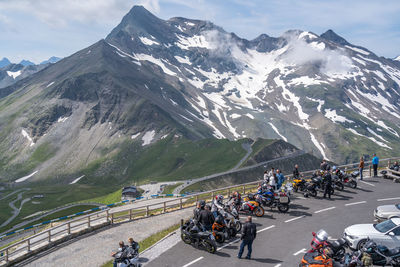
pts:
[152, 81]
[11, 72]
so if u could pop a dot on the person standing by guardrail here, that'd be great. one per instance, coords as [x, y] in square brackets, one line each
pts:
[281, 179]
[375, 162]
[361, 167]
[248, 236]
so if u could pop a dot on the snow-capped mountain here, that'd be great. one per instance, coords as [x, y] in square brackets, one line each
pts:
[151, 78]
[51, 60]
[397, 58]
[4, 62]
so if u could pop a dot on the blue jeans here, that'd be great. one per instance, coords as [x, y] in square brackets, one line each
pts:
[249, 244]
[361, 173]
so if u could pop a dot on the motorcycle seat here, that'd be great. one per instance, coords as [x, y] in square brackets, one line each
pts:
[203, 234]
[338, 243]
[393, 251]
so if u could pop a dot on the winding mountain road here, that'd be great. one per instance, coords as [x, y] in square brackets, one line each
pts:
[16, 210]
[235, 169]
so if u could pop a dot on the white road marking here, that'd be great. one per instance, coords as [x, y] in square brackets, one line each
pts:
[278, 265]
[230, 243]
[367, 183]
[384, 199]
[318, 211]
[266, 228]
[303, 250]
[296, 218]
[355, 203]
[190, 263]
[300, 197]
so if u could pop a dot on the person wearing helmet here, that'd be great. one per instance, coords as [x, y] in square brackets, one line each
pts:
[328, 184]
[217, 205]
[206, 219]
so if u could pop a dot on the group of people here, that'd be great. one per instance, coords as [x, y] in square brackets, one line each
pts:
[274, 178]
[126, 251]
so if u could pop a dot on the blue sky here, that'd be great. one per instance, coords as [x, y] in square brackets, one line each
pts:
[38, 29]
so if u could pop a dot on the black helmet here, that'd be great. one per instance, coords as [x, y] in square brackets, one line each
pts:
[202, 203]
[220, 220]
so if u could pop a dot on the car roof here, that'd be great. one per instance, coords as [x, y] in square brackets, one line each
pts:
[396, 220]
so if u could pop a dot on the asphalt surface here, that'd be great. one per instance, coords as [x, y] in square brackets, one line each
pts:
[282, 239]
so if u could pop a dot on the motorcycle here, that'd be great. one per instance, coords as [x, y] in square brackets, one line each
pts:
[320, 241]
[310, 189]
[271, 199]
[337, 183]
[381, 255]
[349, 181]
[232, 218]
[222, 231]
[249, 206]
[127, 261]
[191, 234]
[315, 259]
[299, 184]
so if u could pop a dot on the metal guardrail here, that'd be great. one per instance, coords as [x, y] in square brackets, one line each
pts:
[105, 216]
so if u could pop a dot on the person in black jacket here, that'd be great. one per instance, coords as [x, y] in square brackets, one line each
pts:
[296, 173]
[248, 236]
[206, 218]
[328, 185]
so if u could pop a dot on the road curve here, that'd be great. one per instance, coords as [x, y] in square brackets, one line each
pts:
[283, 238]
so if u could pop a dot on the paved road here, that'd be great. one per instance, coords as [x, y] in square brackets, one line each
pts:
[16, 210]
[283, 238]
[192, 181]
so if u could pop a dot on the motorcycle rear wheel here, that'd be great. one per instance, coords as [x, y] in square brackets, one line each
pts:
[339, 187]
[238, 226]
[353, 184]
[220, 238]
[209, 246]
[313, 193]
[259, 211]
[283, 208]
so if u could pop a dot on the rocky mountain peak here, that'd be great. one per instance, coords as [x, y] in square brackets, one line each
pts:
[332, 36]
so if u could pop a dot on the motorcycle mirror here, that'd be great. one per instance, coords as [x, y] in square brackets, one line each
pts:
[391, 233]
[313, 233]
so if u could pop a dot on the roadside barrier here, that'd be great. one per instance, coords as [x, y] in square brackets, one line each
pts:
[101, 216]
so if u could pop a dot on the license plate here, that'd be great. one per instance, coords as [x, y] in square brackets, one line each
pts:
[284, 199]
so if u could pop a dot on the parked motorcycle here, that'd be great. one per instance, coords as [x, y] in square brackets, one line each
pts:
[310, 189]
[345, 179]
[249, 206]
[320, 241]
[273, 199]
[127, 261]
[232, 218]
[222, 231]
[381, 255]
[299, 184]
[191, 234]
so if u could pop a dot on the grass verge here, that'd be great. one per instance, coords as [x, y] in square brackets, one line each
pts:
[170, 188]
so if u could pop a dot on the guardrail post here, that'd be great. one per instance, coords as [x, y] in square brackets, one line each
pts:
[212, 195]
[370, 173]
[107, 215]
[229, 192]
[244, 189]
[29, 244]
[6, 256]
[165, 207]
[197, 198]
[69, 228]
[389, 163]
[112, 218]
[88, 221]
[180, 203]
[147, 211]
[130, 214]
[49, 235]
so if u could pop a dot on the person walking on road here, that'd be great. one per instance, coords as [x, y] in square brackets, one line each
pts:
[281, 179]
[361, 167]
[248, 236]
[375, 162]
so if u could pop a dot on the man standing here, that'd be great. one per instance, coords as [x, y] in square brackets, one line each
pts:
[248, 236]
[281, 179]
[328, 184]
[375, 162]
[361, 167]
[206, 218]
[296, 173]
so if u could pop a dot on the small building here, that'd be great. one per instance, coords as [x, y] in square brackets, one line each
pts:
[129, 192]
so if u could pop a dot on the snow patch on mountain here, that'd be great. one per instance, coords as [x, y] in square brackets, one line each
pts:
[50, 84]
[383, 125]
[277, 132]
[184, 60]
[26, 135]
[358, 50]
[148, 41]
[62, 119]
[331, 114]
[320, 103]
[158, 62]
[134, 136]
[14, 74]
[148, 137]
[197, 41]
[305, 80]
[22, 179]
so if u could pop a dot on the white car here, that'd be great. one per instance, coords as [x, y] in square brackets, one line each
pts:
[387, 212]
[386, 233]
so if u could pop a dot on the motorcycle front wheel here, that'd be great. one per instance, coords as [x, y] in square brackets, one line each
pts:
[238, 226]
[259, 211]
[340, 186]
[185, 238]
[313, 193]
[220, 238]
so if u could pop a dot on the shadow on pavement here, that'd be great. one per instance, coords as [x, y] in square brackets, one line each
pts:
[299, 207]
[364, 190]
[297, 213]
[222, 254]
[142, 259]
